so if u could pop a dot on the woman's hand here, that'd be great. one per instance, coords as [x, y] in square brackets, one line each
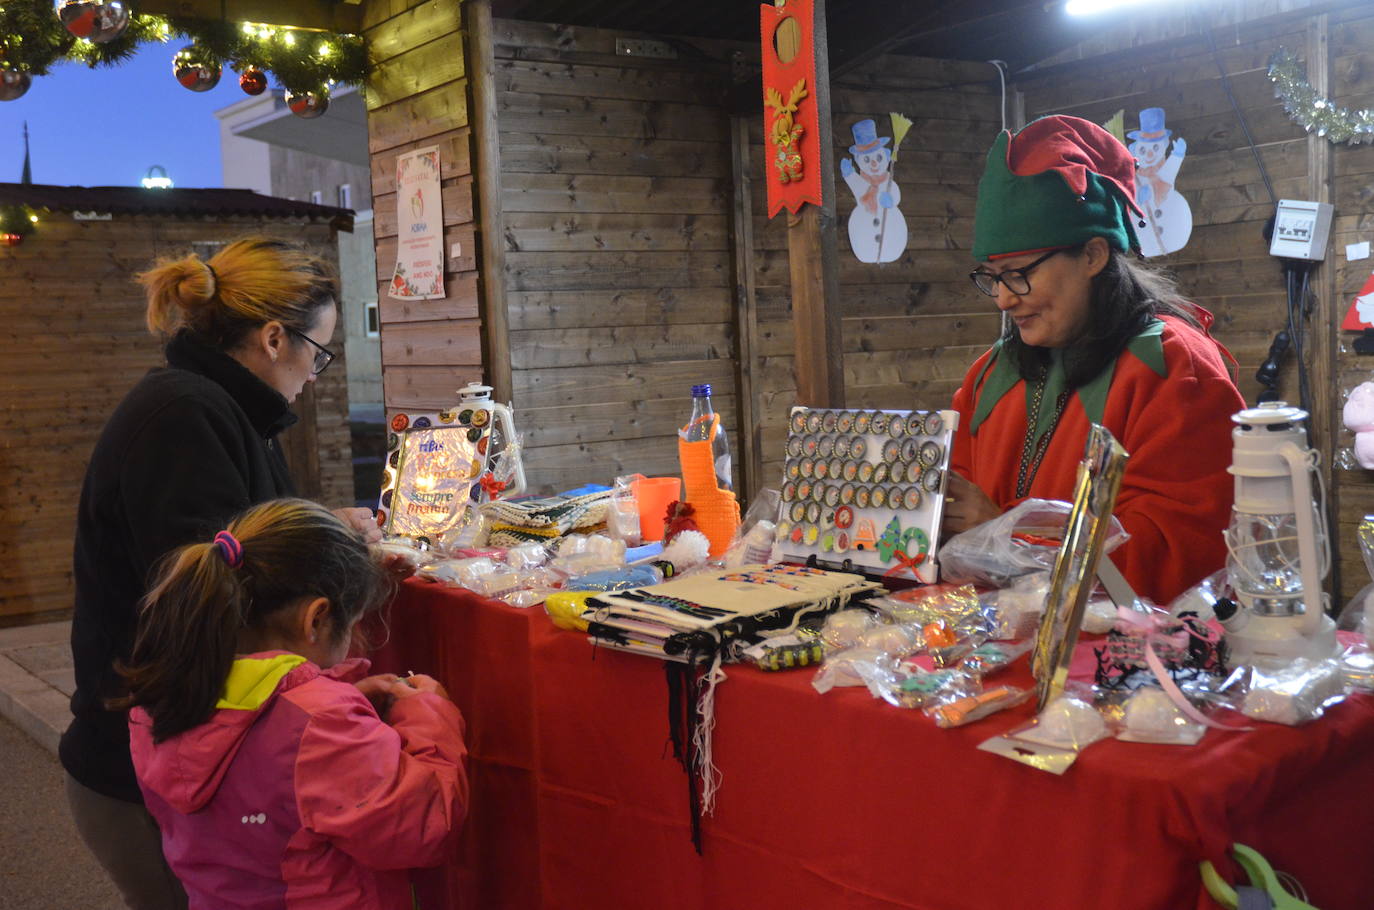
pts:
[966, 505]
[362, 521]
[378, 691]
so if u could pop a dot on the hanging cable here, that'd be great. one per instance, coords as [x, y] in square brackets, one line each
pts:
[1002, 76]
[1240, 115]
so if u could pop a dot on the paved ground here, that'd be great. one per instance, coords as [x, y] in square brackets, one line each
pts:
[43, 864]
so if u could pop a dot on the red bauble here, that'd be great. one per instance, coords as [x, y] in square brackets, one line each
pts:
[253, 81]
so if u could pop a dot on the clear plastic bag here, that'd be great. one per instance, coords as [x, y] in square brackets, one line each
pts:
[1293, 694]
[858, 667]
[622, 517]
[992, 657]
[753, 543]
[1150, 716]
[971, 708]
[957, 606]
[1055, 739]
[527, 556]
[616, 579]
[1022, 540]
[846, 628]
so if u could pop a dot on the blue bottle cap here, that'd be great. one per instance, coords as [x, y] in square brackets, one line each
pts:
[701, 391]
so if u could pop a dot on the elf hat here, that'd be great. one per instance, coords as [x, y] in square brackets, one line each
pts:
[1059, 182]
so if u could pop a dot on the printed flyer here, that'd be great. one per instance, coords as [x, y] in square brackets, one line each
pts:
[419, 273]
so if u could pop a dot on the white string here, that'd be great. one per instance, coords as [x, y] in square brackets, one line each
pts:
[1002, 76]
[703, 736]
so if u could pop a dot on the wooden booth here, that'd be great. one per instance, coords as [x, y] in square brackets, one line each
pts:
[75, 341]
[608, 241]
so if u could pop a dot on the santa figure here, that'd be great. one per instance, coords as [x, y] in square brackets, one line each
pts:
[1168, 218]
[877, 230]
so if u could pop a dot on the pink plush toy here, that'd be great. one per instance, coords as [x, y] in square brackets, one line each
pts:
[1359, 419]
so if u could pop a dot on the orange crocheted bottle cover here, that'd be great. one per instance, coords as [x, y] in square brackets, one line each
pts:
[717, 510]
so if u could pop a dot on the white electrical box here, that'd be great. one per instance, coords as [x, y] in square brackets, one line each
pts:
[1301, 230]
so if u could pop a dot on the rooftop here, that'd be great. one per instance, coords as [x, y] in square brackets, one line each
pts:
[175, 201]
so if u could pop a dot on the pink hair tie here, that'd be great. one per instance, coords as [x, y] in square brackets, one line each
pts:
[230, 548]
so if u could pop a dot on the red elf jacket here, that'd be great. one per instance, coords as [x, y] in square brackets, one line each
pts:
[1168, 400]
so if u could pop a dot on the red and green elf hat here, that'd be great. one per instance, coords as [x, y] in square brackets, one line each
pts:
[1059, 182]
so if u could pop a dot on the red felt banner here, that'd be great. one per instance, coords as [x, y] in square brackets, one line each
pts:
[791, 134]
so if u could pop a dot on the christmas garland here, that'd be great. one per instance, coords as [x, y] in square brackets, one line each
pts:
[16, 221]
[32, 39]
[1310, 110]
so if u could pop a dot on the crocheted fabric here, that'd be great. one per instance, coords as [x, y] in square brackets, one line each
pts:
[543, 520]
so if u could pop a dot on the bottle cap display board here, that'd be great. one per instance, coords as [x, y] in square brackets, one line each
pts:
[864, 490]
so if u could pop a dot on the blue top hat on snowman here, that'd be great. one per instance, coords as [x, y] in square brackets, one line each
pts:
[866, 137]
[1151, 126]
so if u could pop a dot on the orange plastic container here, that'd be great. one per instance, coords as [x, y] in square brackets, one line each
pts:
[654, 494]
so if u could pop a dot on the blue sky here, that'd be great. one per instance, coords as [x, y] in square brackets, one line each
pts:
[107, 126]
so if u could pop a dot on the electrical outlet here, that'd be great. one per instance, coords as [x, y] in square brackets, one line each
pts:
[643, 47]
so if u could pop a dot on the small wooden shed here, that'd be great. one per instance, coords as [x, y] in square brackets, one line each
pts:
[74, 341]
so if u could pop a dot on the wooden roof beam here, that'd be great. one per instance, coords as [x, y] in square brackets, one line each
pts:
[320, 15]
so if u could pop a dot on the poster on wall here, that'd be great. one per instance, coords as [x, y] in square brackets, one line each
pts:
[792, 136]
[877, 228]
[1360, 315]
[419, 272]
[1168, 217]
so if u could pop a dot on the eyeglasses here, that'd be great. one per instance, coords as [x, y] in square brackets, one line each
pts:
[1016, 280]
[323, 356]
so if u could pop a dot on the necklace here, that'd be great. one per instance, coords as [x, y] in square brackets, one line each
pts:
[1033, 450]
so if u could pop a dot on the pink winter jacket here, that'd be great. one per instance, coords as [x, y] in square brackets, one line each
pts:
[294, 794]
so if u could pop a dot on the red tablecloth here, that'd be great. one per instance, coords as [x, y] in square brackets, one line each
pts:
[841, 801]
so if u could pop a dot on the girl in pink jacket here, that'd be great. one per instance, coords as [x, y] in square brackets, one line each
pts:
[280, 774]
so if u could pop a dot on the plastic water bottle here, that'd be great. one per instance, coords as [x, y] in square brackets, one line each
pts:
[699, 428]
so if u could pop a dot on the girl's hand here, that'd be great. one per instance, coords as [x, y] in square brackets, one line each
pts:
[966, 505]
[378, 691]
[406, 686]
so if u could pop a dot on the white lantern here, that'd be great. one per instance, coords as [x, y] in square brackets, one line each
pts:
[1278, 548]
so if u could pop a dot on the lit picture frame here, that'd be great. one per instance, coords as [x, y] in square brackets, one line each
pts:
[434, 464]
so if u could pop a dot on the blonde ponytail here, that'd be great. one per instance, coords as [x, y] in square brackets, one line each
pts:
[176, 288]
[247, 284]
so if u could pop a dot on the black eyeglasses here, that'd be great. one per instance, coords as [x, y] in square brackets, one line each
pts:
[323, 356]
[1016, 280]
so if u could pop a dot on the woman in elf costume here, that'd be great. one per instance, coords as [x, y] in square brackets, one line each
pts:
[1091, 336]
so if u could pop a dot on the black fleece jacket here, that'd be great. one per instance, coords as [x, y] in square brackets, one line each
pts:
[189, 447]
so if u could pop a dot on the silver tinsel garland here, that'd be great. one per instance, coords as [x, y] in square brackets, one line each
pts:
[1313, 112]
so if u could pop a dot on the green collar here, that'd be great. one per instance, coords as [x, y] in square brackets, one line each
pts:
[1002, 375]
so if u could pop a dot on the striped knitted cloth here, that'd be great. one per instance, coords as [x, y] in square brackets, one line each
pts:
[543, 520]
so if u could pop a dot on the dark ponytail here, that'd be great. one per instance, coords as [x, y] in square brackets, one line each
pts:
[202, 608]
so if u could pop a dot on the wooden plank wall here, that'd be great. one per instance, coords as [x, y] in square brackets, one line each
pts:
[1351, 35]
[910, 327]
[1226, 266]
[73, 342]
[417, 97]
[616, 197]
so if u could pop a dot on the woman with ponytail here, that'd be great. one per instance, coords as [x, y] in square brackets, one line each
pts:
[279, 774]
[191, 445]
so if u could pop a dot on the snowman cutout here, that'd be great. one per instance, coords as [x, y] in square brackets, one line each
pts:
[877, 229]
[1168, 217]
